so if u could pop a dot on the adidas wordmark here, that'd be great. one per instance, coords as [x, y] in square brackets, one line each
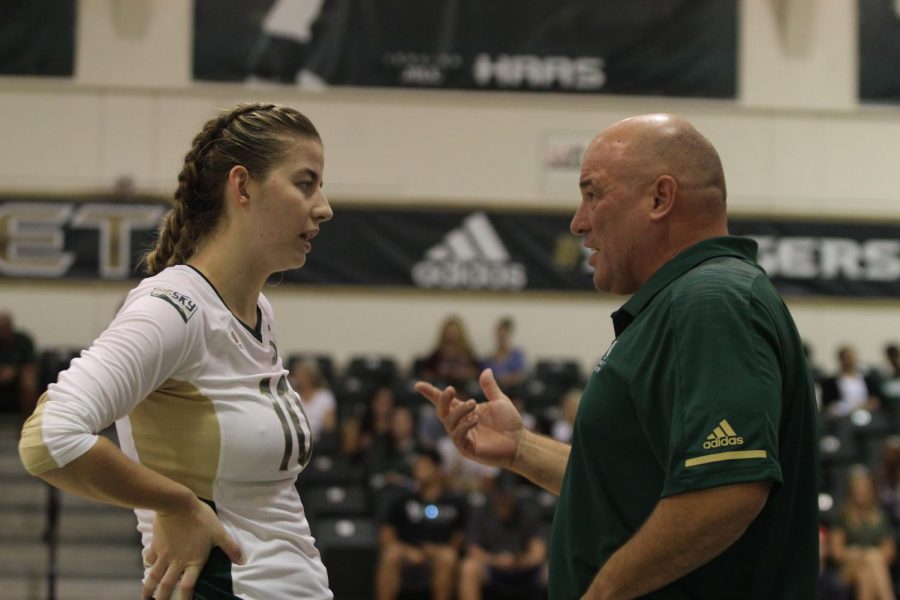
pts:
[723, 435]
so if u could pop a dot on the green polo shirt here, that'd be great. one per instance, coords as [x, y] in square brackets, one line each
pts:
[705, 385]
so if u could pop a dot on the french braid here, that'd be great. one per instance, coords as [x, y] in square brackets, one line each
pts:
[252, 135]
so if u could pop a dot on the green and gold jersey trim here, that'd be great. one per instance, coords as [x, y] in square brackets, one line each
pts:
[33, 451]
[733, 455]
[176, 433]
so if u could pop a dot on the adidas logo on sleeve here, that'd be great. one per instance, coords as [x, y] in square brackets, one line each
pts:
[723, 435]
[724, 440]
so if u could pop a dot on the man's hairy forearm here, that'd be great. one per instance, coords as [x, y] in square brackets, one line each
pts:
[543, 460]
[683, 533]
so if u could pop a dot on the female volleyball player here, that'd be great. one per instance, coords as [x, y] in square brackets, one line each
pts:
[212, 435]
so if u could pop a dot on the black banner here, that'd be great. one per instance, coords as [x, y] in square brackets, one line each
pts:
[658, 47]
[879, 51]
[441, 249]
[37, 37]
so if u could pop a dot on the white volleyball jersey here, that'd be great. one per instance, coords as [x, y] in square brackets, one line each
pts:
[203, 399]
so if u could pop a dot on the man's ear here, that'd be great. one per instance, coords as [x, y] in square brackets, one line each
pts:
[665, 192]
[238, 183]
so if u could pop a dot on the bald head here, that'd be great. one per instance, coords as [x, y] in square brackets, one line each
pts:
[651, 186]
[648, 146]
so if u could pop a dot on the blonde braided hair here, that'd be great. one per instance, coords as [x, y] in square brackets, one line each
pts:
[256, 136]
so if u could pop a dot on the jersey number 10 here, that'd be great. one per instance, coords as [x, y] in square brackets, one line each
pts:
[292, 405]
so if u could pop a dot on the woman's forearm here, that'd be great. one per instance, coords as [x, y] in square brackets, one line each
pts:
[105, 474]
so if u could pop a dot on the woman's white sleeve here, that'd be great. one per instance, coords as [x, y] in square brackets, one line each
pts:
[148, 342]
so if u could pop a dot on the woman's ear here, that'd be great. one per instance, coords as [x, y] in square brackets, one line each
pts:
[238, 184]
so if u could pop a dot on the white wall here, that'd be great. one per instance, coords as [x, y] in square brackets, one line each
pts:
[795, 142]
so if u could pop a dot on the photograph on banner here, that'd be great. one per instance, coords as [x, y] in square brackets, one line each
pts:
[879, 51]
[642, 47]
[37, 38]
[442, 249]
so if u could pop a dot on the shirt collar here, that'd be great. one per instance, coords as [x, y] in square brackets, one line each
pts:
[739, 247]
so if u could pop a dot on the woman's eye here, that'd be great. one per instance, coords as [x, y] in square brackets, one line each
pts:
[305, 186]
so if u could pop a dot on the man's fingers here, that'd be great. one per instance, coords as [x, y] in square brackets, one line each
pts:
[440, 398]
[458, 435]
[458, 413]
[489, 385]
[429, 391]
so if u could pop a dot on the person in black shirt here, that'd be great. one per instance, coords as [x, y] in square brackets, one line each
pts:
[18, 371]
[505, 549]
[425, 528]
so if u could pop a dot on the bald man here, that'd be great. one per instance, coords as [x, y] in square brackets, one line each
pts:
[692, 467]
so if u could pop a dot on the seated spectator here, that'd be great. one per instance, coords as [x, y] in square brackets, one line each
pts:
[362, 432]
[507, 362]
[452, 361]
[318, 401]
[463, 474]
[568, 408]
[831, 586]
[890, 383]
[505, 549]
[818, 376]
[889, 479]
[18, 370]
[862, 540]
[852, 388]
[424, 529]
[391, 457]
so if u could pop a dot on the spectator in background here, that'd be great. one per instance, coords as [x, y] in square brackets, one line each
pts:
[392, 456]
[362, 432]
[831, 586]
[452, 361]
[568, 408]
[423, 529]
[18, 370]
[463, 474]
[318, 400]
[890, 383]
[862, 540]
[852, 388]
[817, 374]
[505, 549]
[889, 479]
[507, 362]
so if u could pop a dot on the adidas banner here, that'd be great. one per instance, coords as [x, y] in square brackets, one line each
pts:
[657, 47]
[440, 249]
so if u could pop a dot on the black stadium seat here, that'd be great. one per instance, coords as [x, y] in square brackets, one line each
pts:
[329, 470]
[559, 373]
[373, 369]
[339, 500]
[349, 550]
